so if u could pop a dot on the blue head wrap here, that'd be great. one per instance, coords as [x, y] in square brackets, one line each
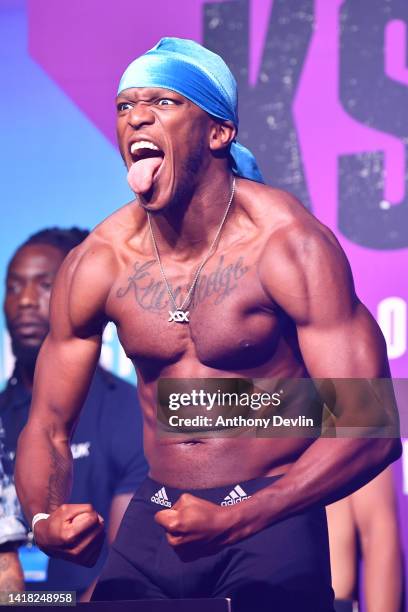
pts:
[201, 76]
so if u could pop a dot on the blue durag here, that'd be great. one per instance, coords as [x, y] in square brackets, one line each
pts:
[201, 76]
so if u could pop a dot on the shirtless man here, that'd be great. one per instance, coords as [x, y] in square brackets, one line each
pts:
[286, 307]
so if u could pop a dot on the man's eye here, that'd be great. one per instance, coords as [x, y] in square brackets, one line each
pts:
[13, 288]
[165, 102]
[123, 106]
[46, 285]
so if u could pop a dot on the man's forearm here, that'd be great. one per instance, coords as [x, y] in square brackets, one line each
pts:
[43, 472]
[329, 469]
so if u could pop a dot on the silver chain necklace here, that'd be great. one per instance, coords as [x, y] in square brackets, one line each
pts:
[179, 314]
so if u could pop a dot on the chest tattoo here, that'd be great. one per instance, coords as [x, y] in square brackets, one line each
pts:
[151, 294]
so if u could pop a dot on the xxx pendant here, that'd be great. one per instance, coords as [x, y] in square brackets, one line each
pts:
[178, 316]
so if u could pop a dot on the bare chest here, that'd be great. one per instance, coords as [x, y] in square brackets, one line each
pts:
[230, 322]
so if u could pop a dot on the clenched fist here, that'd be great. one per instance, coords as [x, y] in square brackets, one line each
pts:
[73, 532]
[196, 527]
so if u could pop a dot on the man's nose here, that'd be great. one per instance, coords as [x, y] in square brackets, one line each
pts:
[140, 115]
[28, 297]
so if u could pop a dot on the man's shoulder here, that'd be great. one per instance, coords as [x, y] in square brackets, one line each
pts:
[91, 267]
[104, 244]
[299, 251]
[277, 211]
[120, 224]
[83, 284]
[93, 254]
[289, 227]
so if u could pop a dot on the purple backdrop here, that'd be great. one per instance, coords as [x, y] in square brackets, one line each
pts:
[324, 101]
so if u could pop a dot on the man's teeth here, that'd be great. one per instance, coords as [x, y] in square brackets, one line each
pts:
[143, 144]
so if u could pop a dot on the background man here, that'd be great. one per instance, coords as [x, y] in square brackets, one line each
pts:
[284, 306]
[107, 449]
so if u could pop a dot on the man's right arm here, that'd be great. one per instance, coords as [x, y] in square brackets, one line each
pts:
[64, 371]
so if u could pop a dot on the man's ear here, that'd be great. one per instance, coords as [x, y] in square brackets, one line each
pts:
[221, 135]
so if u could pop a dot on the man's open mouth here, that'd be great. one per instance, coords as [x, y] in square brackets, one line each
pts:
[147, 159]
[143, 149]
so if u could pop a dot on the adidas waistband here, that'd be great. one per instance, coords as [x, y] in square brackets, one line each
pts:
[165, 496]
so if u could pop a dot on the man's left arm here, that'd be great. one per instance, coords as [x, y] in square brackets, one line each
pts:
[339, 341]
[306, 274]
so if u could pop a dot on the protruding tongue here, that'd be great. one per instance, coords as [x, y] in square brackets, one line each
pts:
[140, 175]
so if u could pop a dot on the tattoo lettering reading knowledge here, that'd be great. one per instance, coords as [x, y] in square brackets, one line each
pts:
[151, 294]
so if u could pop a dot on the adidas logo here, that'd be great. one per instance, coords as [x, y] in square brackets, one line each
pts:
[236, 496]
[161, 498]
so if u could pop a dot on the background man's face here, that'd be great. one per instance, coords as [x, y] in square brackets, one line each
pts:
[30, 276]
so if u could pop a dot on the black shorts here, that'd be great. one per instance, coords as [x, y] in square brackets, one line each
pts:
[282, 568]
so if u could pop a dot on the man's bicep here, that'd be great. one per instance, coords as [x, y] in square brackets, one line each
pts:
[349, 364]
[348, 345]
[338, 337]
[308, 276]
[69, 354]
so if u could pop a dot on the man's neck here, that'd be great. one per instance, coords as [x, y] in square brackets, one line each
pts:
[190, 229]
